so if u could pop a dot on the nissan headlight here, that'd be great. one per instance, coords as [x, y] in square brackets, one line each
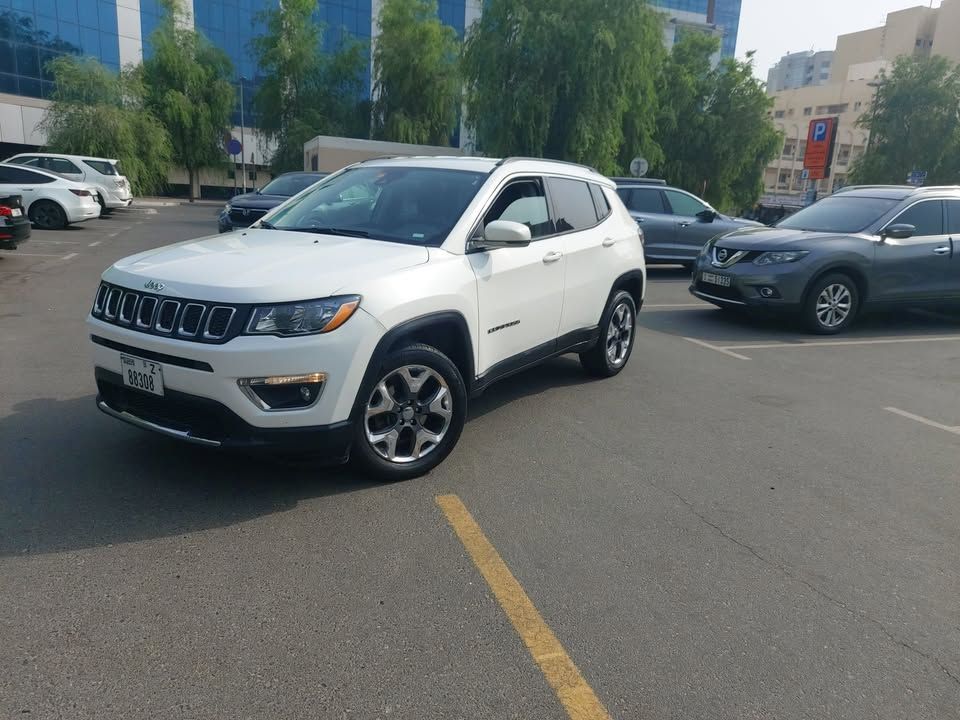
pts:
[779, 258]
[708, 246]
[310, 317]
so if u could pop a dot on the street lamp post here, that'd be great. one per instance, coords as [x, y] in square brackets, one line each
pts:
[243, 144]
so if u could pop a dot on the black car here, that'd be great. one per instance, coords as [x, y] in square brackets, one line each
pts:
[242, 210]
[863, 247]
[14, 224]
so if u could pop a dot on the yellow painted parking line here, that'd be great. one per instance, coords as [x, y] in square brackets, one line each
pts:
[573, 691]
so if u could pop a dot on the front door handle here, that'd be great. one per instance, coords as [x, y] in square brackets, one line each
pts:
[640, 220]
[943, 250]
[684, 224]
[609, 242]
[552, 257]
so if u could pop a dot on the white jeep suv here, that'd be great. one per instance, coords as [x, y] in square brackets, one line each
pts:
[357, 318]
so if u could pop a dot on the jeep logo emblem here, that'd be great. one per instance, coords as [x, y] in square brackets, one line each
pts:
[154, 285]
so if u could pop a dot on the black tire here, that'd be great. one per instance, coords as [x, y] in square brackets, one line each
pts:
[47, 215]
[104, 210]
[829, 298]
[598, 360]
[411, 457]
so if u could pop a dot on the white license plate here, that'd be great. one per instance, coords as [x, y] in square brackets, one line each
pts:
[143, 375]
[713, 279]
[16, 212]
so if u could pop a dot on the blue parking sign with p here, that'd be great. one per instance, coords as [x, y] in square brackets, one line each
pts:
[820, 131]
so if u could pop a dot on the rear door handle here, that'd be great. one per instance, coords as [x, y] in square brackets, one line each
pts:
[552, 257]
[944, 250]
[609, 242]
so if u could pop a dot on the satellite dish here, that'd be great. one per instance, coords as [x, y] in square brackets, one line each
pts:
[639, 167]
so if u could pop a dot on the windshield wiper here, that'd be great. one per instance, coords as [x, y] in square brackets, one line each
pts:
[266, 226]
[345, 232]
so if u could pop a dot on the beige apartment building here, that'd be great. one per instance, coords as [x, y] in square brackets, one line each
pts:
[858, 60]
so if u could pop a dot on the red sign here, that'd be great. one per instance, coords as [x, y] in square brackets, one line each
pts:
[819, 154]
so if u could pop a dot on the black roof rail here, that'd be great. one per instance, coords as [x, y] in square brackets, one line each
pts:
[638, 181]
[507, 160]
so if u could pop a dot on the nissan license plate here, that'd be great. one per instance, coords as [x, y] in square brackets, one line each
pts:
[714, 279]
[143, 375]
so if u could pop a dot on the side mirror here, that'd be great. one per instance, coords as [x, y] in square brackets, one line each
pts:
[900, 231]
[504, 233]
[706, 216]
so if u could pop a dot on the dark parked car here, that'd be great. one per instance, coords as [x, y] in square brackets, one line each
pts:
[675, 224]
[861, 247]
[14, 224]
[242, 210]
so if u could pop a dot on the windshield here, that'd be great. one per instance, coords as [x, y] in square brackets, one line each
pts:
[102, 167]
[289, 185]
[413, 205]
[839, 214]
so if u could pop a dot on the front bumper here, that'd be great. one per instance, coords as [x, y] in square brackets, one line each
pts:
[211, 371]
[205, 422]
[14, 232]
[784, 285]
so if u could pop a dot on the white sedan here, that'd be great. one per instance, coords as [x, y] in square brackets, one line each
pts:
[51, 202]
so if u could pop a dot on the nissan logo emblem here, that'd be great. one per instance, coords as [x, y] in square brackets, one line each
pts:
[722, 255]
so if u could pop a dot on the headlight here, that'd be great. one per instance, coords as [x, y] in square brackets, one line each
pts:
[778, 258]
[708, 246]
[303, 318]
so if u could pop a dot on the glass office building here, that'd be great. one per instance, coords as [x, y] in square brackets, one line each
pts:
[725, 14]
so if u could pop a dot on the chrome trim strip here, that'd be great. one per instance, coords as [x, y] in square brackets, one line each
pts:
[147, 425]
[206, 328]
[183, 316]
[157, 326]
[100, 299]
[732, 260]
[106, 307]
[718, 299]
[245, 385]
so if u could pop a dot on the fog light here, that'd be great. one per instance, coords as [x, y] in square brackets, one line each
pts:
[769, 292]
[283, 392]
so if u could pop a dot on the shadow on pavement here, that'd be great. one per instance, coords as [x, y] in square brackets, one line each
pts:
[72, 478]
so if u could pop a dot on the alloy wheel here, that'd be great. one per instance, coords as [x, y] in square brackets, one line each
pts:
[619, 334]
[408, 414]
[834, 305]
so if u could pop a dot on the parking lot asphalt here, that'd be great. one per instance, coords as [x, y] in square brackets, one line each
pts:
[748, 522]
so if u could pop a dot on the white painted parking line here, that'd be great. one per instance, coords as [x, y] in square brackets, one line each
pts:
[54, 242]
[723, 351]
[839, 343]
[925, 421]
[703, 306]
[17, 253]
[94, 244]
[70, 256]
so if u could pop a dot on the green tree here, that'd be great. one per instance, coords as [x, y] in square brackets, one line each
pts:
[305, 92]
[417, 87]
[913, 123]
[714, 125]
[188, 90]
[100, 113]
[566, 79]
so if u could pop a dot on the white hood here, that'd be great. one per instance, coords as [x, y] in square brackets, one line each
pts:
[263, 266]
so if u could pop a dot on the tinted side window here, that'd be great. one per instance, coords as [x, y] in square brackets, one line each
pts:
[24, 176]
[62, 165]
[35, 161]
[647, 200]
[600, 201]
[572, 204]
[927, 217]
[523, 201]
[953, 217]
[684, 204]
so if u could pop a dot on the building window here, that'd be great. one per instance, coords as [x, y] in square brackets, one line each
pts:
[843, 157]
[779, 114]
[808, 111]
[857, 105]
[788, 149]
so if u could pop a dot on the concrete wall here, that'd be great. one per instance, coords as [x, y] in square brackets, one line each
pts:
[946, 39]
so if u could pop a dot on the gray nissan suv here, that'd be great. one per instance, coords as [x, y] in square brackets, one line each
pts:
[863, 247]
